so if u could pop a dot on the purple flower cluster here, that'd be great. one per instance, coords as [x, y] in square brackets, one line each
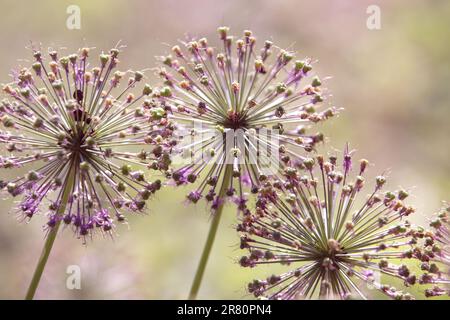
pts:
[85, 138]
[434, 253]
[86, 145]
[221, 98]
[316, 221]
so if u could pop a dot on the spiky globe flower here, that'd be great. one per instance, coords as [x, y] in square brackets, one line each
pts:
[336, 242]
[435, 255]
[66, 123]
[231, 102]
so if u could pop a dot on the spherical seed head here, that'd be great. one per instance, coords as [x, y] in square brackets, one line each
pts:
[68, 122]
[328, 233]
[244, 92]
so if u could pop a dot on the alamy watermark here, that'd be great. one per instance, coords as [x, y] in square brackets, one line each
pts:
[373, 21]
[73, 21]
[73, 281]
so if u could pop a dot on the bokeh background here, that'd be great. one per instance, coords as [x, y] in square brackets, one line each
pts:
[392, 82]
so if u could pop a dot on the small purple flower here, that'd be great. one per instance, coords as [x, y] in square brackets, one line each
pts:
[194, 196]
[347, 160]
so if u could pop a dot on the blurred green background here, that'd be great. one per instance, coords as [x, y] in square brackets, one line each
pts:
[392, 82]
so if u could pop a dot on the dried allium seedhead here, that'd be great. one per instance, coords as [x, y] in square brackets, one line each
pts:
[67, 122]
[229, 98]
[434, 253]
[316, 221]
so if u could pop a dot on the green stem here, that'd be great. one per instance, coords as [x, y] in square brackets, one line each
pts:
[211, 236]
[50, 240]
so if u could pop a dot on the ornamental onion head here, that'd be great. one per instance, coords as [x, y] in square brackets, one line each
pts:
[332, 239]
[237, 105]
[66, 121]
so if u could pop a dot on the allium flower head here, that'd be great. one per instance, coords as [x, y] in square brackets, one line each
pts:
[66, 121]
[334, 240]
[435, 254]
[236, 100]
